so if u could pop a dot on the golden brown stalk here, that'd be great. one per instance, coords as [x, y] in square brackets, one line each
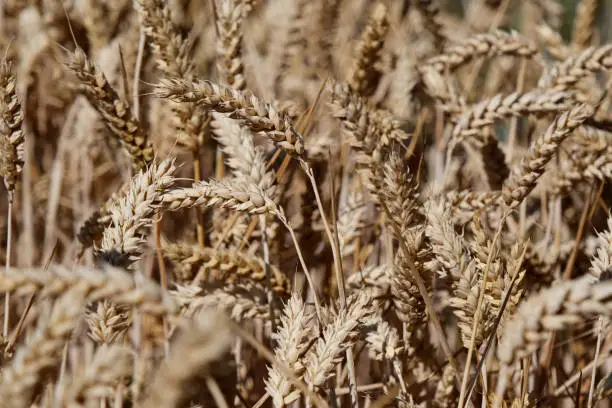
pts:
[229, 43]
[584, 23]
[204, 340]
[493, 44]
[258, 115]
[115, 112]
[131, 215]
[525, 176]
[225, 265]
[365, 75]
[11, 132]
[37, 359]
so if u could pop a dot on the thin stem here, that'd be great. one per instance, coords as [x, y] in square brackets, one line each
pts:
[266, 258]
[313, 288]
[466, 371]
[197, 178]
[9, 232]
[137, 70]
[602, 323]
[332, 241]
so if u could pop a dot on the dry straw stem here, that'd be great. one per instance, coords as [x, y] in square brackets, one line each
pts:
[584, 24]
[131, 215]
[256, 114]
[525, 177]
[99, 380]
[40, 357]
[559, 307]
[108, 283]
[293, 339]
[566, 74]
[204, 340]
[364, 75]
[492, 44]
[229, 43]
[116, 113]
[473, 121]
[226, 265]
[11, 132]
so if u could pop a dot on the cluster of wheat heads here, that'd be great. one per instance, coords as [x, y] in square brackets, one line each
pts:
[290, 203]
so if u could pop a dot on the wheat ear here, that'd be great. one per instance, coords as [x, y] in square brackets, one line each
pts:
[364, 75]
[132, 214]
[116, 113]
[292, 339]
[258, 115]
[525, 177]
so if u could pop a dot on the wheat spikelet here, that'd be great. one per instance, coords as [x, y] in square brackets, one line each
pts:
[132, 214]
[242, 156]
[229, 20]
[171, 50]
[524, 179]
[565, 75]
[364, 75]
[258, 115]
[238, 195]
[116, 113]
[239, 302]
[472, 122]
[601, 263]
[41, 355]
[11, 132]
[292, 338]
[335, 339]
[448, 246]
[481, 45]
[108, 323]
[226, 266]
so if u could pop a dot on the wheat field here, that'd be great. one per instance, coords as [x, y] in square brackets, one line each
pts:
[292, 203]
